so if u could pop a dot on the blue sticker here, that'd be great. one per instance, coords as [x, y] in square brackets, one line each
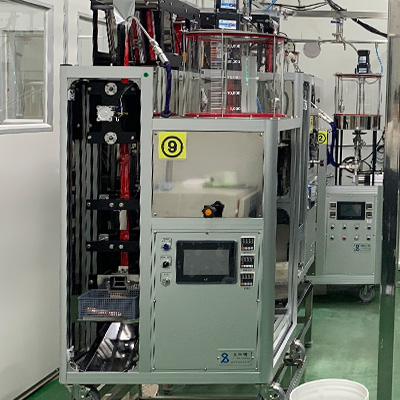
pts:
[225, 359]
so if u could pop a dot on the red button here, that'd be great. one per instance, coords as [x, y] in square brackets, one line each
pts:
[344, 238]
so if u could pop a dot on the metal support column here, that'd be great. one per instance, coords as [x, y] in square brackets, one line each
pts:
[390, 210]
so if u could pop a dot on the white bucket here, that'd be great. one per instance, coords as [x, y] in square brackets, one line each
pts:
[330, 389]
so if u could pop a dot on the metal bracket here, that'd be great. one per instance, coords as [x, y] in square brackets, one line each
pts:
[113, 246]
[296, 354]
[273, 392]
[79, 392]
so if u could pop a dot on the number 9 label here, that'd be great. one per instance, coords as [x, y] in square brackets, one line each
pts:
[172, 145]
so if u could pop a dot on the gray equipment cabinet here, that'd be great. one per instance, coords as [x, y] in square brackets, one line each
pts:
[211, 309]
[349, 247]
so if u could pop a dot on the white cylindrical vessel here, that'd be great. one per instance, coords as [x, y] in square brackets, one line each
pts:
[330, 389]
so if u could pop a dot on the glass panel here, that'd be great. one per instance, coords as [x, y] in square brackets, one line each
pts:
[233, 74]
[22, 50]
[357, 101]
[183, 187]
[85, 34]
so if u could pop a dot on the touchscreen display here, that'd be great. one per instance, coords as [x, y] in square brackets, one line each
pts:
[206, 262]
[350, 210]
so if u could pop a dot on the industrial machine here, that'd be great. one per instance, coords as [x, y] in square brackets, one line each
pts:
[349, 238]
[352, 239]
[189, 228]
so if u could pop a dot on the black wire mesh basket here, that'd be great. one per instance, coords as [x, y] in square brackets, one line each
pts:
[106, 305]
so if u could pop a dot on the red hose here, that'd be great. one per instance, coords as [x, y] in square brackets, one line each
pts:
[124, 167]
[126, 55]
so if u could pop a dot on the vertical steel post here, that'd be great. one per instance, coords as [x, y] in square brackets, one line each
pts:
[390, 210]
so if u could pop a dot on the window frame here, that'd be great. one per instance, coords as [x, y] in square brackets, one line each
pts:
[12, 126]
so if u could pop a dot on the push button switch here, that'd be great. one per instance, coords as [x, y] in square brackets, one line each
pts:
[166, 247]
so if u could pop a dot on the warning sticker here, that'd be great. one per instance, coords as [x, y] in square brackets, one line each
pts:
[172, 145]
[362, 247]
[322, 137]
[231, 358]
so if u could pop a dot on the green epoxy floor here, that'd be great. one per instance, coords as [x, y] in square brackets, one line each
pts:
[345, 343]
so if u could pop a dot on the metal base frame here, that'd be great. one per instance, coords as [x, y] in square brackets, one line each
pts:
[287, 377]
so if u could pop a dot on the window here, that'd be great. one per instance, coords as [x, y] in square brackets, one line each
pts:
[24, 73]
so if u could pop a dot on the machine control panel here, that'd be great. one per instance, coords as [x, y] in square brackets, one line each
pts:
[352, 230]
[182, 260]
[206, 273]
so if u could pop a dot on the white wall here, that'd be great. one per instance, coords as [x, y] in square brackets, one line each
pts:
[29, 247]
[30, 233]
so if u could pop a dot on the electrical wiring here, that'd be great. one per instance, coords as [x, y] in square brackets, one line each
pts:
[380, 153]
[259, 107]
[166, 112]
[379, 58]
[165, 62]
[308, 7]
[331, 159]
[270, 5]
[378, 146]
[320, 3]
[368, 27]
[370, 155]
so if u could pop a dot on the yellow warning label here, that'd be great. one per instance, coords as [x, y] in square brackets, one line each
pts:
[322, 137]
[172, 145]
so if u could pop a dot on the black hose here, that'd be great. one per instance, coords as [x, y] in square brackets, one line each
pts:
[366, 26]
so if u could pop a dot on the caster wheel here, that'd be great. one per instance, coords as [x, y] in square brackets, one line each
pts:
[94, 394]
[366, 294]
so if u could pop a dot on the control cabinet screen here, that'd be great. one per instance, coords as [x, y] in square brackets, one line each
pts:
[350, 210]
[205, 262]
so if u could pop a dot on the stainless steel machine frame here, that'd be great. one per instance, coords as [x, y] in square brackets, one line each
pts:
[276, 332]
[311, 179]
